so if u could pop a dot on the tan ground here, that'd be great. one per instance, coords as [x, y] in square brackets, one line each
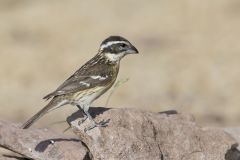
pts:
[189, 54]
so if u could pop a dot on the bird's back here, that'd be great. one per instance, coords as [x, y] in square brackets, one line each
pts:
[96, 75]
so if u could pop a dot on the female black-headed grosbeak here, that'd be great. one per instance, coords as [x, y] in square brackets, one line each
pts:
[90, 81]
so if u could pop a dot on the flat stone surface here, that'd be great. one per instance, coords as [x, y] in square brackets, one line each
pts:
[40, 144]
[133, 134]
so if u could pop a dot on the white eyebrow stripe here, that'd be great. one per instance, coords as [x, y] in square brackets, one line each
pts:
[111, 43]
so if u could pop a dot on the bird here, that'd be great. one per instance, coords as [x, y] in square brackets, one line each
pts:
[90, 81]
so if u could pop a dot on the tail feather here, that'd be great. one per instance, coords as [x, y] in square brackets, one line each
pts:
[50, 106]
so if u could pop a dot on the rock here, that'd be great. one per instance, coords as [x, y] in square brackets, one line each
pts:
[40, 144]
[133, 134]
[233, 153]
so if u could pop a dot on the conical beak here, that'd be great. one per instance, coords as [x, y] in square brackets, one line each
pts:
[132, 50]
[135, 49]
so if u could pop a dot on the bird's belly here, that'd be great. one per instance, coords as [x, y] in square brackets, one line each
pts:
[88, 96]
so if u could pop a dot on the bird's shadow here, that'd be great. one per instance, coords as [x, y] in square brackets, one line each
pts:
[94, 111]
[42, 146]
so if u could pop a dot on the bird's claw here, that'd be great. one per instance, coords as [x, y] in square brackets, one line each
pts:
[103, 123]
[82, 120]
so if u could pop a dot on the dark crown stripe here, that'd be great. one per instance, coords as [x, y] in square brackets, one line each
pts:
[114, 38]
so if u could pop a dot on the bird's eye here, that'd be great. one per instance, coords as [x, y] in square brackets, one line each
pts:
[123, 45]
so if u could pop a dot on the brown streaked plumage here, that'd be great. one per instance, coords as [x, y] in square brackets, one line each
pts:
[89, 82]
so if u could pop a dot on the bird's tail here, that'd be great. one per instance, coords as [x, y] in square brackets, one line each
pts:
[53, 104]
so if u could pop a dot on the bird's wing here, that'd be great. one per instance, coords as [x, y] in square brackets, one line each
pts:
[84, 79]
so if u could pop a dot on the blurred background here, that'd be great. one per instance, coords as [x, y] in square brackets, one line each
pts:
[189, 57]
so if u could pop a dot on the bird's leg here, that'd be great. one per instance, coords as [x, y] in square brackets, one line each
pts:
[103, 123]
[84, 115]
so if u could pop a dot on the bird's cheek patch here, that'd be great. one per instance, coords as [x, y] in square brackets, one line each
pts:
[114, 57]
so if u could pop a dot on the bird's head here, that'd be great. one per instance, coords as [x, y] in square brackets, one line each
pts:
[114, 48]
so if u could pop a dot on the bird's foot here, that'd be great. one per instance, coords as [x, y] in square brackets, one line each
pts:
[103, 123]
